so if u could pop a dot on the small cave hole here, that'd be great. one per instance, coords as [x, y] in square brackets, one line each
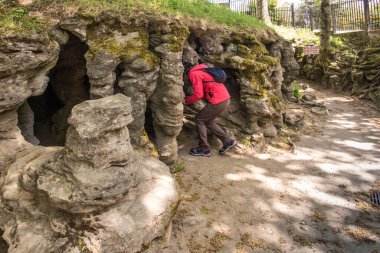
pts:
[232, 84]
[68, 86]
[3, 244]
[194, 42]
[119, 71]
[148, 125]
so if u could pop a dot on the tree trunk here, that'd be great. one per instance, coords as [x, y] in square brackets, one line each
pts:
[262, 11]
[325, 32]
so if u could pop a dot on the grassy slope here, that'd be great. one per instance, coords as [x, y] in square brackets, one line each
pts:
[15, 17]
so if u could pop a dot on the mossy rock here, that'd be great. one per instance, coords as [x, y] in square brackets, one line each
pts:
[177, 37]
[250, 41]
[243, 38]
[245, 51]
[266, 59]
[275, 102]
[126, 51]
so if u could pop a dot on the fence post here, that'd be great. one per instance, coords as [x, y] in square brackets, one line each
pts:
[292, 9]
[366, 16]
[311, 18]
[333, 16]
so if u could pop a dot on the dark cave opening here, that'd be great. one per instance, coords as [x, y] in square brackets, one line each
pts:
[148, 124]
[195, 43]
[232, 84]
[118, 71]
[68, 86]
[3, 244]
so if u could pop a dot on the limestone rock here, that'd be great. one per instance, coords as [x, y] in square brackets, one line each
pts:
[100, 69]
[319, 111]
[139, 84]
[11, 140]
[98, 132]
[26, 123]
[294, 117]
[309, 97]
[189, 54]
[283, 51]
[269, 130]
[77, 206]
[26, 61]
[166, 101]
[211, 43]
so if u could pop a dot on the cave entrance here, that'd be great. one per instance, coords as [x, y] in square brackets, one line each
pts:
[3, 244]
[68, 86]
[148, 124]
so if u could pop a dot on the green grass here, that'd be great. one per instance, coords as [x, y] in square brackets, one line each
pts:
[299, 36]
[206, 10]
[18, 19]
[185, 8]
[177, 167]
[199, 9]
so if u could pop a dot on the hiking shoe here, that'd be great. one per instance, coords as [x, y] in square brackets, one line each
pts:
[200, 152]
[227, 146]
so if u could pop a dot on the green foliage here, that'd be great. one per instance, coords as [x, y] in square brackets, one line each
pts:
[298, 36]
[185, 8]
[18, 19]
[204, 9]
[177, 167]
[336, 42]
[272, 5]
[297, 90]
[203, 210]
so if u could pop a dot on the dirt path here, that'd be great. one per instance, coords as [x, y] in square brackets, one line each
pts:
[312, 200]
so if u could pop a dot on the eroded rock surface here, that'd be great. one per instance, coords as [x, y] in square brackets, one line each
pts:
[93, 195]
[96, 194]
[143, 56]
[25, 62]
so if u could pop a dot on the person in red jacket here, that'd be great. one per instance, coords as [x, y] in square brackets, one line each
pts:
[218, 98]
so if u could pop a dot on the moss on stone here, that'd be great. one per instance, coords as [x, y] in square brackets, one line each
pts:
[275, 102]
[243, 38]
[245, 52]
[18, 19]
[248, 66]
[134, 48]
[259, 49]
[250, 41]
[178, 36]
[266, 59]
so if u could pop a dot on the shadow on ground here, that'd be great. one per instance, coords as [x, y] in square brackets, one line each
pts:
[315, 200]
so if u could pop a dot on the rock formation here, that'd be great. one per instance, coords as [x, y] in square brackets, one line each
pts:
[96, 192]
[353, 66]
[93, 195]
[142, 57]
[23, 73]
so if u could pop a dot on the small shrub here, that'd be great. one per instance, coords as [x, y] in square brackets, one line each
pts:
[336, 42]
[297, 90]
[177, 167]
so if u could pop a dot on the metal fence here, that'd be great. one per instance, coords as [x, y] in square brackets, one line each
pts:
[283, 16]
[347, 15]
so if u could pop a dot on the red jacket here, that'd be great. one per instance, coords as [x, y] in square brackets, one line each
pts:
[213, 92]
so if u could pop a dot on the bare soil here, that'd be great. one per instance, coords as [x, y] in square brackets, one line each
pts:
[313, 198]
